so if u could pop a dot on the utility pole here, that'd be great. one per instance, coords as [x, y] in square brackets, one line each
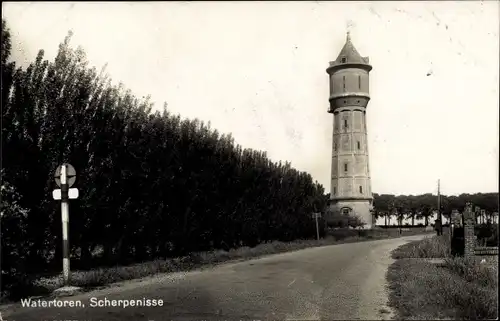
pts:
[317, 228]
[1, 214]
[440, 216]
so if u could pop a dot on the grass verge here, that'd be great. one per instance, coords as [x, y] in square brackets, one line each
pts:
[455, 289]
[100, 277]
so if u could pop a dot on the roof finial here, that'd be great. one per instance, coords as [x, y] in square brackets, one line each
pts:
[349, 26]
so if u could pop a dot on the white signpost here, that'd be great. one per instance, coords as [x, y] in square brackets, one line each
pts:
[316, 216]
[65, 177]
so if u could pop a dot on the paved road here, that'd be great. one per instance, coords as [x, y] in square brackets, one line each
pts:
[345, 281]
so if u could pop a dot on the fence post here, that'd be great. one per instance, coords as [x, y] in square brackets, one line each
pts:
[469, 237]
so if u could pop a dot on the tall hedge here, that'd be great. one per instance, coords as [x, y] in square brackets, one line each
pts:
[152, 184]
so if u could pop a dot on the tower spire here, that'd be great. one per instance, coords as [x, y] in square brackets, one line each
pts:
[349, 54]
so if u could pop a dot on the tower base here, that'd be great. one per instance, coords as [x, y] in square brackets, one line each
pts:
[359, 208]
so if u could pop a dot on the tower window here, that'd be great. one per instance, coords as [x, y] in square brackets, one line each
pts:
[335, 146]
[334, 190]
[343, 60]
[345, 123]
[343, 79]
[361, 189]
[359, 145]
[359, 82]
[345, 167]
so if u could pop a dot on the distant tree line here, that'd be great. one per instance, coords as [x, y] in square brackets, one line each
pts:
[418, 207]
[423, 206]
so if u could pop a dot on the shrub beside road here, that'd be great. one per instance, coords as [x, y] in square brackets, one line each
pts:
[452, 288]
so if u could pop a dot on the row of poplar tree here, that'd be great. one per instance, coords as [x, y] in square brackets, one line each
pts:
[151, 184]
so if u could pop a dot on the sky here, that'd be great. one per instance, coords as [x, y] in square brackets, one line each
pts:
[257, 70]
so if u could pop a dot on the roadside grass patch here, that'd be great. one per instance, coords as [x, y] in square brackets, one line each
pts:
[434, 247]
[459, 289]
[472, 271]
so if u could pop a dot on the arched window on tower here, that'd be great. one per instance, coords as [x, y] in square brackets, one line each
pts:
[361, 189]
[343, 80]
[359, 82]
[346, 210]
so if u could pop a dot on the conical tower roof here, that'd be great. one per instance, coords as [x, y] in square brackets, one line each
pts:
[349, 54]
